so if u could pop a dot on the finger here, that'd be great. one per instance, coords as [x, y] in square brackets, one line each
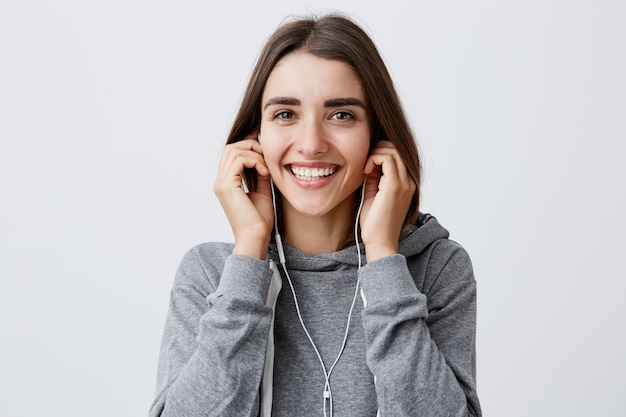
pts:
[392, 177]
[371, 185]
[370, 167]
[388, 148]
[264, 185]
[386, 162]
[234, 165]
[249, 143]
[247, 155]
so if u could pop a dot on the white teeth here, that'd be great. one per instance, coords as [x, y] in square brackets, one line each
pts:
[311, 174]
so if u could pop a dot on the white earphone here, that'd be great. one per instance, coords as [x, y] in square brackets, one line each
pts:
[327, 395]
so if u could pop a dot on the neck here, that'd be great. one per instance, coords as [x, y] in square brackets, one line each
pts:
[315, 235]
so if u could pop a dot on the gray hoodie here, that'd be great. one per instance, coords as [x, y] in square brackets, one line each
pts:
[409, 352]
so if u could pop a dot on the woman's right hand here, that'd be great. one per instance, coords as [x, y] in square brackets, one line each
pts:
[251, 215]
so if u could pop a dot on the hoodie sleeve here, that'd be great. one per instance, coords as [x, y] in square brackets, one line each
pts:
[213, 347]
[421, 345]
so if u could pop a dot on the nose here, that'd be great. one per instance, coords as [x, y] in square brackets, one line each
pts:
[311, 140]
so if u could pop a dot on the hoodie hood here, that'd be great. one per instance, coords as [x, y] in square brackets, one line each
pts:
[413, 240]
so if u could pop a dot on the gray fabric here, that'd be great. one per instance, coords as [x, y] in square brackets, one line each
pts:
[417, 334]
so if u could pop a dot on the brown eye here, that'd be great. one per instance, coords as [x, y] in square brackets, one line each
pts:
[283, 114]
[342, 115]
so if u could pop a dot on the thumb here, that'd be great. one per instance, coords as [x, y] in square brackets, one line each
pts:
[371, 184]
[262, 197]
[264, 185]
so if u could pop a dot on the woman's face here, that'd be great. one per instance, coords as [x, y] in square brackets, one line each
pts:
[315, 134]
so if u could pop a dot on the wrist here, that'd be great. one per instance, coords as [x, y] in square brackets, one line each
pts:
[377, 251]
[253, 250]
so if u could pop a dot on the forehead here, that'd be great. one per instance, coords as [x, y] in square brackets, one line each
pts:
[305, 76]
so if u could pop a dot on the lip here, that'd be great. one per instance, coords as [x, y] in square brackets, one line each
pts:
[313, 184]
[312, 164]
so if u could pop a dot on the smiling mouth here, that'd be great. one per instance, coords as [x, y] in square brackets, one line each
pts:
[312, 174]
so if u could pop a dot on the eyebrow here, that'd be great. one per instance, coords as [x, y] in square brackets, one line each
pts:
[335, 102]
[285, 101]
[348, 101]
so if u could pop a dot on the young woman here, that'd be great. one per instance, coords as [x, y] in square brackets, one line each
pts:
[377, 311]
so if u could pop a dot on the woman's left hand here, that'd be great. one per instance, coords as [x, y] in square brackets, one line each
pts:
[389, 191]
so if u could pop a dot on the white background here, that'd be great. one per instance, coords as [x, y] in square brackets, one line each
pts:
[112, 118]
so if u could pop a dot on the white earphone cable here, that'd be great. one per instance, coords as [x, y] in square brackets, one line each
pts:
[281, 254]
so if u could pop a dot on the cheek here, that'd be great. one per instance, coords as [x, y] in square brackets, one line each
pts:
[271, 155]
[360, 163]
[273, 143]
[359, 151]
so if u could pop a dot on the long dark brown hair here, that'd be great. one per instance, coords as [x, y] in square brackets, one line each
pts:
[334, 37]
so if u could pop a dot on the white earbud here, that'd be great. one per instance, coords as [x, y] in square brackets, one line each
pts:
[279, 241]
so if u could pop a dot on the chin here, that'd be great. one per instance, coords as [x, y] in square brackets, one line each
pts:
[321, 208]
[312, 211]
